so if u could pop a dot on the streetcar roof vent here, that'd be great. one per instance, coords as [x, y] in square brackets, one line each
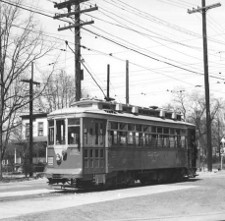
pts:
[174, 116]
[119, 107]
[134, 110]
[162, 113]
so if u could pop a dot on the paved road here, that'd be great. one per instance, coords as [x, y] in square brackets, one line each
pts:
[203, 199]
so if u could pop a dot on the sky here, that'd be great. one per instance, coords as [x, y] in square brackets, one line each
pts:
[160, 39]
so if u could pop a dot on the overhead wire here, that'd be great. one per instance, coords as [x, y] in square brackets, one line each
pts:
[42, 14]
[144, 54]
[172, 48]
[149, 17]
[93, 78]
[174, 3]
[152, 38]
[25, 8]
[116, 43]
[152, 70]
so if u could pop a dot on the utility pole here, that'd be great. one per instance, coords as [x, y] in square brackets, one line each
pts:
[77, 25]
[31, 83]
[203, 10]
[1, 90]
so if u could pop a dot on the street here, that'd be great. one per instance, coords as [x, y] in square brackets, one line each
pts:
[24, 189]
[201, 198]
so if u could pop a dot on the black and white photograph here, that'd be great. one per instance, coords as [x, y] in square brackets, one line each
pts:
[112, 110]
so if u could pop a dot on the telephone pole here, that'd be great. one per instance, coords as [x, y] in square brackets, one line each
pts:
[31, 83]
[1, 90]
[203, 10]
[77, 25]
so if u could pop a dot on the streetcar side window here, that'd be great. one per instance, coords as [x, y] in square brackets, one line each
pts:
[114, 137]
[122, 137]
[183, 139]
[60, 132]
[160, 141]
[172, 141]
[130, 140]
[138, 135]
[137, 141]
[131, 134]
[166, 142]
[183, 142]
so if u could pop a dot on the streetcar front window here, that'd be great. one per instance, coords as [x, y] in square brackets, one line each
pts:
[60, 132]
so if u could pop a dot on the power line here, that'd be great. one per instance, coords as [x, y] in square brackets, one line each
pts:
[147, 16]
[93, 79]
[24, 8]
[141, 53]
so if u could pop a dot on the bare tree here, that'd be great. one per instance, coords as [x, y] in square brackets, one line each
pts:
[59, 92]
[20, 45]
[192, 106]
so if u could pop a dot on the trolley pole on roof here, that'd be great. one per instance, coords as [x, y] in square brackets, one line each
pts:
[77, 26]
[203, 10]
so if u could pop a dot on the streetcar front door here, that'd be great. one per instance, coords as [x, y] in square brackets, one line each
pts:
[94, 145]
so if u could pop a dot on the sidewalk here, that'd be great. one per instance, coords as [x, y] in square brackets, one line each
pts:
[20, 177]
[214, 172]
[19, 186]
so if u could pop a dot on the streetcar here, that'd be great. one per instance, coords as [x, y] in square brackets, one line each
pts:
[102, 143]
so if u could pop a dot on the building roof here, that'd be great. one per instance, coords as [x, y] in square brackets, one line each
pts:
[35, 115]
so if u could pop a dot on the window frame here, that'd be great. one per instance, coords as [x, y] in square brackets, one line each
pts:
[60, 141]
[73, 124]
[51, 131]
[40, 129]
[146, 135]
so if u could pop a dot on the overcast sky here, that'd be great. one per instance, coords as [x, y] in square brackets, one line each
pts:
[162, 42]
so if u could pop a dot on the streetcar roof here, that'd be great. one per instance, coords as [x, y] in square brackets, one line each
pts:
[106, 109]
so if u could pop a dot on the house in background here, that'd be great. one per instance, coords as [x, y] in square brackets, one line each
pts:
[39, 135]
[17, 154]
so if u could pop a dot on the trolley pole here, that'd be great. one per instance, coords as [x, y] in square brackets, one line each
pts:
[77, 26]
[203, 10]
